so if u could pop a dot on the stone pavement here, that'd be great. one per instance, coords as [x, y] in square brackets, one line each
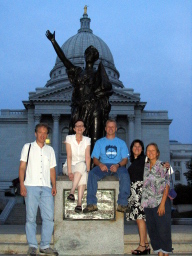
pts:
[179, 232]
[189, 254]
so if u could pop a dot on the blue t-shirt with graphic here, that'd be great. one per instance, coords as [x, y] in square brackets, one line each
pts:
[110, 151]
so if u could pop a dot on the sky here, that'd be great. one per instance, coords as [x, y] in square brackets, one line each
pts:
[151, 43]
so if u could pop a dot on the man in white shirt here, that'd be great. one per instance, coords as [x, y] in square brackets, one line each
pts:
[38, 163]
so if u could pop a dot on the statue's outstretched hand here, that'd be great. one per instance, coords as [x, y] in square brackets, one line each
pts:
[50, 36]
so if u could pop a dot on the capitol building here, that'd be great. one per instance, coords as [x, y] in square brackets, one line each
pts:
[51, 104]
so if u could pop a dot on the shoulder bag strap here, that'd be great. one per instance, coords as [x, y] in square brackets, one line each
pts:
[28, 155]
[27, 159]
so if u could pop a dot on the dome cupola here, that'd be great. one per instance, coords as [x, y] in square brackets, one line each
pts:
[74, 49]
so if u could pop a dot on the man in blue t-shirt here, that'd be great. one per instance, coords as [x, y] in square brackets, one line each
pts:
[110, 155]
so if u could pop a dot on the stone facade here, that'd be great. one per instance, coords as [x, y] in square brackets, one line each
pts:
[17, 127]
[180, 155]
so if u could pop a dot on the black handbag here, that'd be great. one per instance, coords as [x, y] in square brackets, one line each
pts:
[16, 182]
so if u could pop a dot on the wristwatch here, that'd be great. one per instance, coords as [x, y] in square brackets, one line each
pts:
[119, 164]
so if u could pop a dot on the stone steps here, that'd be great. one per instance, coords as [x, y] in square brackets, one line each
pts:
[179, 247]
[13, 247]
[18, 215]
[181, 239]
[13, 239]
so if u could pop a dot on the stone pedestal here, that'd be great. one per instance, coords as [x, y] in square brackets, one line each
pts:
[85, 237]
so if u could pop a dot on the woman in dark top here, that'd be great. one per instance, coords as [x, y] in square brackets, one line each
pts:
[136, 170]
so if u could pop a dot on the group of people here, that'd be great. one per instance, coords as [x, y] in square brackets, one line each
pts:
[143, 188]
[149, 201]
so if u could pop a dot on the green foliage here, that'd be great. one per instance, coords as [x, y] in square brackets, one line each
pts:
[183, 194]
[188, 174]
[176, 214]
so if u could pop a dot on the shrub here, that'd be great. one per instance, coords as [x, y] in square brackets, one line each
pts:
[183, 194]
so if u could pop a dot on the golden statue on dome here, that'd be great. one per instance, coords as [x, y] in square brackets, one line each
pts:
[85, 9]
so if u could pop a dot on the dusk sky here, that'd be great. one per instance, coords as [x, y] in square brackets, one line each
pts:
[151, 43]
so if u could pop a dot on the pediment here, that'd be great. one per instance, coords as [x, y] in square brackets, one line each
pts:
[124, 95]
[64, 93]
[54, 94]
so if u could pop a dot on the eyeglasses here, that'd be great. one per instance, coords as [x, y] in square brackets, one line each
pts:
[137, 147]
[79, 126]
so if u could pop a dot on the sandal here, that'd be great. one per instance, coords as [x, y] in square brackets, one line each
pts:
[147, 247]
[71, 197]
[78, 209]
[139, 252]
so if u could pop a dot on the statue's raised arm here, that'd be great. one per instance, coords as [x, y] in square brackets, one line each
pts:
[58, 50]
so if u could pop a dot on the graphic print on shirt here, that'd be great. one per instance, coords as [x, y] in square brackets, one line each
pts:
[111, 151]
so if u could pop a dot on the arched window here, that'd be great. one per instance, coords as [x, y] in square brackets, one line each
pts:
[177, 175]
[64, 133]
[48, 141]
[121, 133]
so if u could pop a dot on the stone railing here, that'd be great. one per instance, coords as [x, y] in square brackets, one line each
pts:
[6, 211]
[155, 114]
[12, 112]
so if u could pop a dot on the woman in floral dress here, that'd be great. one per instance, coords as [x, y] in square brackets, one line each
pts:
[156, 203]
[136, 170]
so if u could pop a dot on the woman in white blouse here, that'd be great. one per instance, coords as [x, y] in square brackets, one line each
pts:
[77, 165]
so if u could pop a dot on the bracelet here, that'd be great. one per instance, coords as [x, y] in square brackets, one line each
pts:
[119, 164]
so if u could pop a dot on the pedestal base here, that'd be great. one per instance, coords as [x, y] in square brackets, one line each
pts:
[84, 237]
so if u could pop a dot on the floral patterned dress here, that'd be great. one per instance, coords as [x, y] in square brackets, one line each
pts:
[136, 170]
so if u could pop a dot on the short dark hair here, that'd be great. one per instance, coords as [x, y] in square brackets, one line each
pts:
[131, 149]
[156, 147]
[110, 121]
[78, 120]
[42, 125]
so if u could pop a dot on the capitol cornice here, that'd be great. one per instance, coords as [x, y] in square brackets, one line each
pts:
[156, 121]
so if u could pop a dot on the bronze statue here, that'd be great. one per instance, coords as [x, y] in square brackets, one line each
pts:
[92, 88]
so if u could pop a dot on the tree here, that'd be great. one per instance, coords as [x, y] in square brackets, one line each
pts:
[188, 174]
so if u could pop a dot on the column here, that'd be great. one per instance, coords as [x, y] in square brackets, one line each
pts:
[37, 118]
[55, 139]
[138, 124]
[113, 117]
[131, 128]
[30, 125]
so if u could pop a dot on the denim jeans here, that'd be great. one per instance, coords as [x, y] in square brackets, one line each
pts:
[96, 174]
[42, 197]
[159, 228]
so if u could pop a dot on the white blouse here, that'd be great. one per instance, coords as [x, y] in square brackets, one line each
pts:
[78, 150]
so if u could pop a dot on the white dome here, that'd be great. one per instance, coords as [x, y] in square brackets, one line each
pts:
[74, 49]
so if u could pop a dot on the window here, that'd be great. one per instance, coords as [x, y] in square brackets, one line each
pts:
[121, 133]
[177, 175]
[64, 133]
[177, 163]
